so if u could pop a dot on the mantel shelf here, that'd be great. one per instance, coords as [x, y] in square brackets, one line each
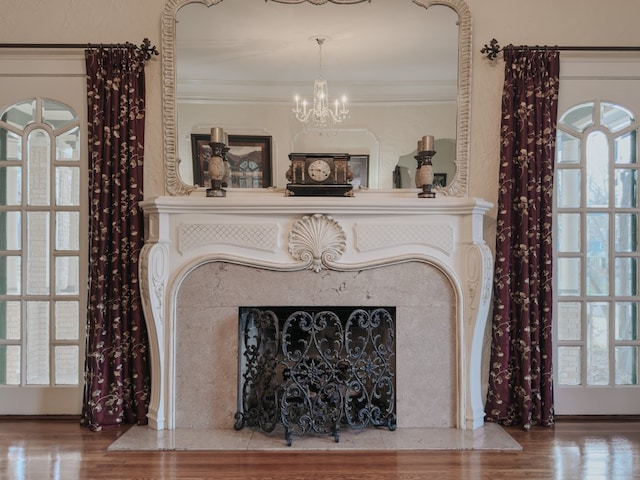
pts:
[366, 202]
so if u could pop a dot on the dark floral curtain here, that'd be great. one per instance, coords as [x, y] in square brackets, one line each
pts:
[117, 371]
[521, 377]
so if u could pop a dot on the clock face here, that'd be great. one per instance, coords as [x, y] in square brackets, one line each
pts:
[319, 170]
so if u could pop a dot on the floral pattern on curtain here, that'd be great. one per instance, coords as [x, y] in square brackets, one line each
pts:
[117, 370]
[521, 376]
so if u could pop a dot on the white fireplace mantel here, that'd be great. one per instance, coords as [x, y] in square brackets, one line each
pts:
[266, 230]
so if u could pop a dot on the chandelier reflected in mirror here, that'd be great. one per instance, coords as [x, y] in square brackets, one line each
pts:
[320, 114]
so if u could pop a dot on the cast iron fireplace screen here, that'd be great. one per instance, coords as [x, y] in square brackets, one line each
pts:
[315, 369]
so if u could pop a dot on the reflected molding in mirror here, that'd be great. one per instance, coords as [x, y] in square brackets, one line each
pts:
[175, 186]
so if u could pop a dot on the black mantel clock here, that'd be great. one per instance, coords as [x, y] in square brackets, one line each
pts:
[319, 174]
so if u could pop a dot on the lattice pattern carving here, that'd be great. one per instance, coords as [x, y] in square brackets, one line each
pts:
[372, 237]
[259, 237]
[322, 2]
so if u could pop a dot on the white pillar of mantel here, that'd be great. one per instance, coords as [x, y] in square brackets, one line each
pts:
[265, 229]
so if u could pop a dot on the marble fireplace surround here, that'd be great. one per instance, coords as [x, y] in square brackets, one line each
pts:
[302, 242]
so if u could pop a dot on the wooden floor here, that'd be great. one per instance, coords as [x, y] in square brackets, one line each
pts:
[571, 450]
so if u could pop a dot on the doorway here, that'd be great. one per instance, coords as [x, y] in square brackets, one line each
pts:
[596, 254]
[43, 226]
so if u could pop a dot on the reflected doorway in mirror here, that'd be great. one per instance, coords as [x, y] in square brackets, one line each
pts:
[359, 165]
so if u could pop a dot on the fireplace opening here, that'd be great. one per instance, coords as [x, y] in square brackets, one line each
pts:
[316, 369]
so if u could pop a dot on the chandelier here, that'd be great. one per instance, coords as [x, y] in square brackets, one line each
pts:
[321, 115]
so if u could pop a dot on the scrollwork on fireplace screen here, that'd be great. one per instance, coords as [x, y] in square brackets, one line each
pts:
[315, 369]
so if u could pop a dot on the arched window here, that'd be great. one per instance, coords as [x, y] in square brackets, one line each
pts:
[41, 295]
[596, 242]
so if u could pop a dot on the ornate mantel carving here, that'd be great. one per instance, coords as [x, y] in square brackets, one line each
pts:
[269, 231]
[317, 240]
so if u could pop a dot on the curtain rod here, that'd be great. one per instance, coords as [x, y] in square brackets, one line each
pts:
[147, 49]
[493, 49]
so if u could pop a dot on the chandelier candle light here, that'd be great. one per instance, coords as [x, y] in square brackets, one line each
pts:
[320, 115]
[424, 172]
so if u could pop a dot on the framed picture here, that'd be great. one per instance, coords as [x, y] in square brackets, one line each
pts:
[249, 158]
[359, 165]
[250, 161]
[200, 154]
[439, 179]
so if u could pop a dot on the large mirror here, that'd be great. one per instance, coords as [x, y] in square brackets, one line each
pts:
[403, 65]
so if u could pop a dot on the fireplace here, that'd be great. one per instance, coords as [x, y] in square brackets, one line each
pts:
[206, 333]
[205, 258]
[316, 369]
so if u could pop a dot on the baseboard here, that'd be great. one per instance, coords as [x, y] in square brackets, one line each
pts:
[597, 418]
[48, 418]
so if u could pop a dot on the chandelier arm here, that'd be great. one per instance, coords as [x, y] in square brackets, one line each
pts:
[321, 115]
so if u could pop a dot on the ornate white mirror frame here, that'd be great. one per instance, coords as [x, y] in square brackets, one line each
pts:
[175, 186]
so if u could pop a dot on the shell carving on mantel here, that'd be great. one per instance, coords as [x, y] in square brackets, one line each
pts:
[317, 240]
